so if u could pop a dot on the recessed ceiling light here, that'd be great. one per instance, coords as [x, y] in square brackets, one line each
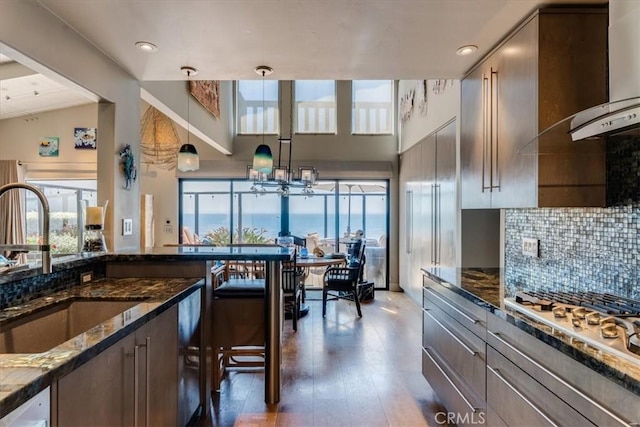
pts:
[146, 46]
[466, 50]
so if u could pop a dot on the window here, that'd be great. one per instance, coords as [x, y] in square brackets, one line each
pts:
[255, 116]
[224, 211]
[315, 106]
[64, 204]
[372, 107]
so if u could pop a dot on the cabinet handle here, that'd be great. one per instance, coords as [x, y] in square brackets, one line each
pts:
[465, 346]
[147, 382]
[495, 168]
[444, 374]
[496, 335]
[470, 319]
[439, 223]
[434, 259]
[136, 381]
[485, 128]
[520, 395]
[136, 384]
[409, 221]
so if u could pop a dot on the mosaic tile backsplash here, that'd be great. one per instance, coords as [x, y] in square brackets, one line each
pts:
[595, 249]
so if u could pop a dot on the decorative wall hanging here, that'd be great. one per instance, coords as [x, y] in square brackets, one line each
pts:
[86, 138]
[440, 85]
[207, 92]
[406, 105]
[159, 140]
[421, 96]
[128, 166]
[48, 146]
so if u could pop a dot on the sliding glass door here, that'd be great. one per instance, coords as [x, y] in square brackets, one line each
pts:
[328, 217]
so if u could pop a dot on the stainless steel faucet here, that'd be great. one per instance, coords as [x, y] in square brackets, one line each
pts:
[44, 248]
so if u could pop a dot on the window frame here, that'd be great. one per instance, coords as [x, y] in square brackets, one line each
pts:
[276, 119]
[295, 112]
[391, 112]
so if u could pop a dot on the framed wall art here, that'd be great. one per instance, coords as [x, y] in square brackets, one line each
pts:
[85, 138]
[207, 92]
[48, 146]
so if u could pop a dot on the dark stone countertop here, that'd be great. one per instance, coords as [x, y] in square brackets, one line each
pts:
[482, 287]
[164, 254]
[22, 376]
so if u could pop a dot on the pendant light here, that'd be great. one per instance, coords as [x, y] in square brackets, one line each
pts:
[188, 159]
[262, 159]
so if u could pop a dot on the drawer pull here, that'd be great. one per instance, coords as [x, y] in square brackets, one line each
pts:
[520, 395]
[465, 346]
[496, 335]
[444, 374]
[474, 321]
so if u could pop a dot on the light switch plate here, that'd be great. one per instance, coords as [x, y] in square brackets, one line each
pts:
[127, 226]
[531, 247]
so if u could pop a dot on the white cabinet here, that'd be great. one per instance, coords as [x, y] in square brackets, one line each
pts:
[133, 382]
[428, 207]
[552, 66]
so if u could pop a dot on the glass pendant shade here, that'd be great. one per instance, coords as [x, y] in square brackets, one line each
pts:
[262, 159]
[188, 159]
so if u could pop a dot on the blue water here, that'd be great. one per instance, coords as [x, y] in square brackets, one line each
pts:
[299, 224]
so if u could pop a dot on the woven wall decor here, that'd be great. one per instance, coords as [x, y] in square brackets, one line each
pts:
[159, 140]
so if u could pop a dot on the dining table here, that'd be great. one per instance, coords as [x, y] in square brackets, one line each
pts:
[313, 261]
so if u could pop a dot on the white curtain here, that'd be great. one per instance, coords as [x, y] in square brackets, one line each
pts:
[11, 205]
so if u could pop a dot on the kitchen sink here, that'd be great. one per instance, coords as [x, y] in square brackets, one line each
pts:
[57, 323]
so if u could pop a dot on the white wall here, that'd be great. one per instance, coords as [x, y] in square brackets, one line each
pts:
[20, 138]
[442, 104]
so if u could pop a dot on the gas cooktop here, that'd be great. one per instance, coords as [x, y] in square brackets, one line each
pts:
[604, 321]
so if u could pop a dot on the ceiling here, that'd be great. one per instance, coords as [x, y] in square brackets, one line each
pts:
[300, 39]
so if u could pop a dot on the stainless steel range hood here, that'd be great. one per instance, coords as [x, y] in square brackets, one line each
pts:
[613, 118]
[620, 116]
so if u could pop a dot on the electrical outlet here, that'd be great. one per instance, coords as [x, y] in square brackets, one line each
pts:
[531, 247]
[86, 277]
[127, 227]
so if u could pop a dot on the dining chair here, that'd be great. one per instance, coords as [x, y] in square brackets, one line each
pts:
[344, 280]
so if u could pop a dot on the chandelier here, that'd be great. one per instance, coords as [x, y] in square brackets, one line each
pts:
[262, 172]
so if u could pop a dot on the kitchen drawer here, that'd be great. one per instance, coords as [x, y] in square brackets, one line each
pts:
[464, 311]
[520, 400]
[451, 391]
[464, 352]
[594, 396]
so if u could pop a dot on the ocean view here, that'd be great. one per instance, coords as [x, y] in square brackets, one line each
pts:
[299, 224]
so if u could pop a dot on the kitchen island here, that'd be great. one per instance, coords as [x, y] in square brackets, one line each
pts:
[154, 269]
[23, 375]
[483, 357]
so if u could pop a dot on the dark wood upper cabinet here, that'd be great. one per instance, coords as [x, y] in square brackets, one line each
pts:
[552, 65]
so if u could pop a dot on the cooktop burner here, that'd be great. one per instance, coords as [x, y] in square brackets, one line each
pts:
[612, 305]
[608, 322]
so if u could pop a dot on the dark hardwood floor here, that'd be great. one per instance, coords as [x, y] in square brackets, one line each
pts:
[341, 370]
